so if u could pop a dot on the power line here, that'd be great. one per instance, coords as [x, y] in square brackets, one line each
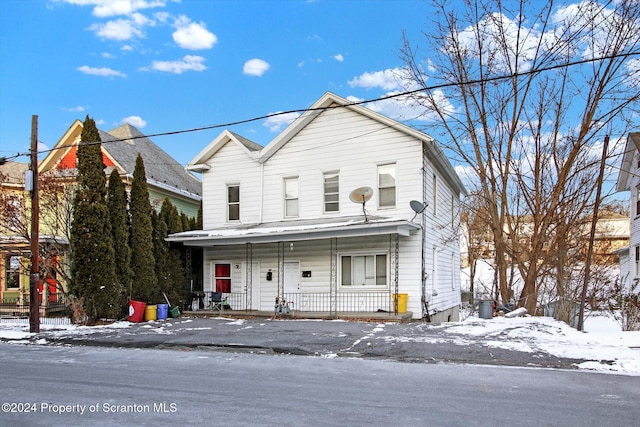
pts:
[350, 104]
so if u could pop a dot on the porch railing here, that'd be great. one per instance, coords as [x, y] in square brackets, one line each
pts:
[315, 301]
[345, 301]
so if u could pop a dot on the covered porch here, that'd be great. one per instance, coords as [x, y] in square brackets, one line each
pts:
[297, 268]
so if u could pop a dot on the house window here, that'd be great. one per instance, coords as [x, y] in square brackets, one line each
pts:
[291, 198]
[364, 270]
[435, 195]
[12, 271]
[233, 202]
[331, 192]
[637, 261]
[637, 201]
[453, 211]
[387, 185]
[453, 276]
[222, 277]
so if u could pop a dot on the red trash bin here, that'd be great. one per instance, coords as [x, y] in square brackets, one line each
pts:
[136, 311]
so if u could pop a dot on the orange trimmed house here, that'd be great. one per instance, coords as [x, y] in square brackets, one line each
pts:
[166, 178]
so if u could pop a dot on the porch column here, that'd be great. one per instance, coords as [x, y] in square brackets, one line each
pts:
[394, 243]
[280, 270]
[248, 274]
[333, 280]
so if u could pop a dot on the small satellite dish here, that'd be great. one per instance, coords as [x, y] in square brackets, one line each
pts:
[417, 207]
[361, 195]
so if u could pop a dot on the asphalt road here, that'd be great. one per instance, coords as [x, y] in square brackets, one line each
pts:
[45, 385]
[424, 343]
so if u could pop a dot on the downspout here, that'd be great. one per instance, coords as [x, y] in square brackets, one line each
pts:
[423, 240]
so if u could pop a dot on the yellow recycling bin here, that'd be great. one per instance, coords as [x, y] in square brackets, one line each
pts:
[151, 312]
[401, 300]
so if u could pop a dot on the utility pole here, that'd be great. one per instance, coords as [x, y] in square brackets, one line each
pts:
[34, 277]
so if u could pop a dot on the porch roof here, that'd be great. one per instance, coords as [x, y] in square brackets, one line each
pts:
[296, 230]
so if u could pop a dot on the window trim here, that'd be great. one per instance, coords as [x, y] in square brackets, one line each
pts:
[435, 194]
[229, 203]
[374, 253]
[332, 174]
[395, 185]
[296, 198]
[9, 271]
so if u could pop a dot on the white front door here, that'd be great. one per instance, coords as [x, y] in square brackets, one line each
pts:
[255, 284]
[291, 277]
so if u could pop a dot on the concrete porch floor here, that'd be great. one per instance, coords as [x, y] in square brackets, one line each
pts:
[354, 316]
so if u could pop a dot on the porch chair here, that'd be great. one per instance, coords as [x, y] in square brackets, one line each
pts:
[216, 302]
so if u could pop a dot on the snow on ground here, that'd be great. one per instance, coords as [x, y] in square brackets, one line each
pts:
[603, 340]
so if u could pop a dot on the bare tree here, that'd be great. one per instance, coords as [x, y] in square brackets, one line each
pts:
[523, 92]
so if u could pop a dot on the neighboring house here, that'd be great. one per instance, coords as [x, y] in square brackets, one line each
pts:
[288, 220]
[166, 178]
[629, 180]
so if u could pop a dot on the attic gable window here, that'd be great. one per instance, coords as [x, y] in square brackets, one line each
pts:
[233, 202]
[387, 186]
[291, 209]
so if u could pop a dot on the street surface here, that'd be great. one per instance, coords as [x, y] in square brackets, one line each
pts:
[65, 385]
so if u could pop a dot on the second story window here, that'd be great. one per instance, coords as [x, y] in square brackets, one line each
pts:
[291, 198]
[331, 192]
[233, 203]
[387, 186]
[435, 194]
[638, 201]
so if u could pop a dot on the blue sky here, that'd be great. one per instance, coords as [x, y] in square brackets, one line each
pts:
[165, 65]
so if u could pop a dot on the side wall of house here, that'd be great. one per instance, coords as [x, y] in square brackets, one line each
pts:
[441, 245]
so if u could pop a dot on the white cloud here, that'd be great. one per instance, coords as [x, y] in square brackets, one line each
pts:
[102, 71]
[78, 109]
[192, 35]
[127, 48]
[280, 121]
[134, 121]
[100, 122]
[255, 67]
[120, 29]
[187, 63]
[389, 79]
[339, 57]
[104, 8]
[107, 55]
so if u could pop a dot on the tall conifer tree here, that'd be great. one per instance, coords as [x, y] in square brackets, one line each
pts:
[119, 214]
[92, 254]
[145, 284]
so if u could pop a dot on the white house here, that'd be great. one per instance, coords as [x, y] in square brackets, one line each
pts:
[330, 216]
[629, 180]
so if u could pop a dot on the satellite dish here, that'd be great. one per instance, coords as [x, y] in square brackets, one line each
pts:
[361, 195]
[417, 207]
